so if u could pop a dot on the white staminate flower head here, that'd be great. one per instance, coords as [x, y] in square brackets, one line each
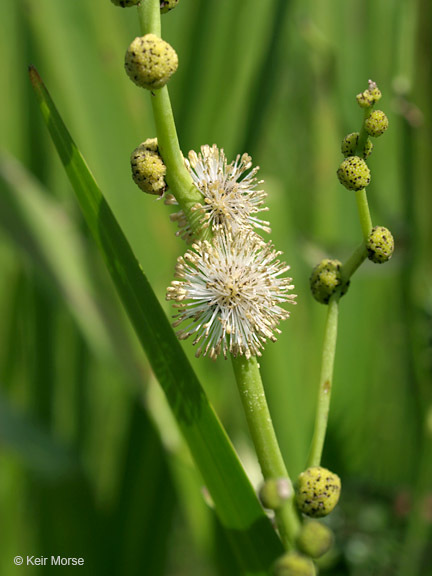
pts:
[230, 198]
[229, 294]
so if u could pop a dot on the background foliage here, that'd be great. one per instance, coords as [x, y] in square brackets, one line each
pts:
[91, 463]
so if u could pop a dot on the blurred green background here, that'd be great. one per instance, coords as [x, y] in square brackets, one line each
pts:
[91, 463]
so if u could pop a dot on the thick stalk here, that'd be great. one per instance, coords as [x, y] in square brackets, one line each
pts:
[264, 438]
[325, 385]
[363, 212]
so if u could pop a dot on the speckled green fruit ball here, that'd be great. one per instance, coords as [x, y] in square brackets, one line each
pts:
[325, 279]
[317, 492]
[150, 62]
[349, 145]
[354, 173]
[167, 5]
[294, 564]
[380, 245]
[369, 97]
[148, 169]
[315, 539]
[376, 124]
[125, 3]
[274, 492]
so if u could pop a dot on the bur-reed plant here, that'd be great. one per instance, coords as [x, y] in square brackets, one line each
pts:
[231, 291]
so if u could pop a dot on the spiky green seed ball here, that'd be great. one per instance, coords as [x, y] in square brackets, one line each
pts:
[315, 539]
[167, 5]
[369, 97]
[125, 3]
[148, 169]
[349, 145]
[294, 564]
[380, 245]
[274, 492]
[150, 61]
[354, 173]
[325, 279]
[376, 124]
[317, 492]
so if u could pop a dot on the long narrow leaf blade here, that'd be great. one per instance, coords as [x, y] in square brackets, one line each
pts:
[253, 538]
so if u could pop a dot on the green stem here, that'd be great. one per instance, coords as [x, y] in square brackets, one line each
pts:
[363, 136]
[264, 438]
[354, 261]
[149, 17]
[178, 178]
[326, 378]
[363, 212]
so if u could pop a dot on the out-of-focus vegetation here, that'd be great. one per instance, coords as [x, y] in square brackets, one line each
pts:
[91, 463]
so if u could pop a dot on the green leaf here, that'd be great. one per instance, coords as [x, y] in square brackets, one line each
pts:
[240, 513]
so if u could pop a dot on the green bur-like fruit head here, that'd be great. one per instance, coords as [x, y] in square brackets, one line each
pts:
[354, 173]
[315, 539]
[380, 245]
[125, 3]
[148, 169]
[376, 124]
[349, 145]
[317, 492]
[167, 5]
[274, 492]
[150, 62]
[326, 279]
[369, 97]
[294, 564]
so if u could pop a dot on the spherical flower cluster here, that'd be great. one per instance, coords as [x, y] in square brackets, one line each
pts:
[148, 169]
[274, 492]
[167, 5]
[318, 491]
[314, 539]
[349, 145]
[369, 97]
[230, 294]
[294, 564]
[380, 245]
[125, 3]
[150, 61]
[354, 173]
[325, 279]
[376, 124]
[230, 289]
[231, 200]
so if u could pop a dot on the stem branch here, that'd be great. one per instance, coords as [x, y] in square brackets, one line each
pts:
[325, 386]
[354, 262]
[264, 438]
